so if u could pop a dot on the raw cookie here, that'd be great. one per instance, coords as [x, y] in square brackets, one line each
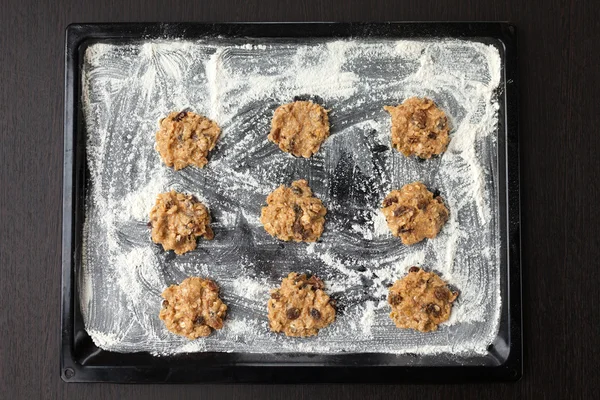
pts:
[419, 128]
[299, 128]
[294, 213]
[413, 213]
[300, 307]
[193, 308]
[177, 220]
[185, 138]
[421, 300]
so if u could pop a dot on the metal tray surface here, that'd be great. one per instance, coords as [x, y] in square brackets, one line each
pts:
[354, 169]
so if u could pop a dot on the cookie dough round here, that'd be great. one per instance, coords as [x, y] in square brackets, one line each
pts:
[421, 301]
[413, 213]
[293, 213]
[193, 308]
[419, 127]
[185, 138]
[300, 307]
[299, 128]
[177, 220]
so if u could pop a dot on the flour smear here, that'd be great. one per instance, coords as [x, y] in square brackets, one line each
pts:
[127, 89]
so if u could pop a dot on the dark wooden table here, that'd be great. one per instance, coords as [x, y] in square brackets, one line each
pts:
[560, 145]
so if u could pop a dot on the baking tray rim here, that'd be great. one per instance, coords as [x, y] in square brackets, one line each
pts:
[82, 361]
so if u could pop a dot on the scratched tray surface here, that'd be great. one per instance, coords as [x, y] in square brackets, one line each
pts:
[128, 87]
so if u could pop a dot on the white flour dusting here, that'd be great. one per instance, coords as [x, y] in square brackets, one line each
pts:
[380, 227]
[128, 88]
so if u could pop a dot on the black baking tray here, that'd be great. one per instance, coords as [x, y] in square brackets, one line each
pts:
[82, 361]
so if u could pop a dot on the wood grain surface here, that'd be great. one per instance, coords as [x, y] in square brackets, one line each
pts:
[559, 66]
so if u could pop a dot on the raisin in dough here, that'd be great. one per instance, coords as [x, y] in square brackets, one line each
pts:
[300, 307]
[421, 301]
[177, 220]
[419, 127]
[413, 213]
[293, 213]
[299, 128]
[193, 308]
[185, 138]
